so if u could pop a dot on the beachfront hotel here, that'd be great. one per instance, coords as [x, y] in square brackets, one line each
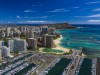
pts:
[32, 43]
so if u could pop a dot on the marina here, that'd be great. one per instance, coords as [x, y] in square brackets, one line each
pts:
[59, 67]
[26, 69]
[15, 60]
[86, 67]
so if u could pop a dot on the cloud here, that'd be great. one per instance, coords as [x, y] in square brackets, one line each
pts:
[29, 11]
[76, 7]
[90, 16]
[94, 21]
[32, 17]
[59, 10]
[18, 16]
[98, 9]
[9, 22]
[96, 15]
[38, 5]
[36, 22]
[93, 2]
[42, 17]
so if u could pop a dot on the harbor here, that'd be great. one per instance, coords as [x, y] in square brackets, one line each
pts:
[86, 67]
[59, 67]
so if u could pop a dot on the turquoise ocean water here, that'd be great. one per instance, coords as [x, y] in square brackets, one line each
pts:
[84, 36]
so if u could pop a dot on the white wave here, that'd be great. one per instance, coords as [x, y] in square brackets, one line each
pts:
[80, 27]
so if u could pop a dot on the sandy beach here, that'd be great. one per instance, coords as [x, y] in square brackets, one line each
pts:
[57, 44]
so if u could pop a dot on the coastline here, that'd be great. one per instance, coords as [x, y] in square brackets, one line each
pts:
[57, 43]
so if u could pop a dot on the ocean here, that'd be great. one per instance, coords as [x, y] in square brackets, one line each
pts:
[86, 36]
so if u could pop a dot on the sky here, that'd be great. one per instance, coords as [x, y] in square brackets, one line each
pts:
[50, 11]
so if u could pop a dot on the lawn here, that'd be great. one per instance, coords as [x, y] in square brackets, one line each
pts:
[50, 50]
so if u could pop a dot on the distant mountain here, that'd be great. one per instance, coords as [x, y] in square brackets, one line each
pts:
[60, 25]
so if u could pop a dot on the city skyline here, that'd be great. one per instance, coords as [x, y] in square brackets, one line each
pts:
[52, 11]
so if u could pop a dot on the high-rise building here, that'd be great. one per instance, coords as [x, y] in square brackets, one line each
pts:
[5, 51]
[11, 44]
[44, 30]
[20, 45]
[32, 43]
[8, 31]
[36, 35]
[29, 34]
[1, 43]
[2, 34]
[17, 44]
[0, 51]
[51, 31]
[44, 40]
[11, 35]
[0, 55]
[22, 29]
[48, 41]
[16, 34]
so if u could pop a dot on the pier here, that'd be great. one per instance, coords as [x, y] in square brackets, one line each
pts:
[98, 67]
[72, 69]
[94, 64]
[79, 66]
